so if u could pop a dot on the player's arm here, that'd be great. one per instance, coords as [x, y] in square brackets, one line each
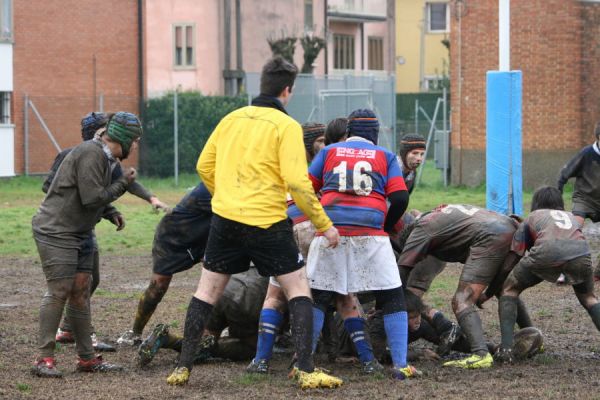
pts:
[207, 161]
[570, 169]
[293, 167]
[396, 193]
[90, 182]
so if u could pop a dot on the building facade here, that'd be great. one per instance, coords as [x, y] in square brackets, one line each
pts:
[556, 44]
[422, 59]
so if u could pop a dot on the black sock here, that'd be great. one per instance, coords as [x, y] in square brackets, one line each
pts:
[301, 321]
[507, 311]
[594, 312]
[470, 323]
[523, 319]
[198, 312]
[440, 323]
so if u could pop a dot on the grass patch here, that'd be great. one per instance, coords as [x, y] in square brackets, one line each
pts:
[251, 379]
[113, 295]
[23, 388]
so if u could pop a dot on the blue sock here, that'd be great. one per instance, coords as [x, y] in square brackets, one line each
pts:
[396, 329]
[318, 321]
[356, 329]
[268, 325]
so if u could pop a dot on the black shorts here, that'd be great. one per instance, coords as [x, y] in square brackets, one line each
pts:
[179, 242]
[233, 245]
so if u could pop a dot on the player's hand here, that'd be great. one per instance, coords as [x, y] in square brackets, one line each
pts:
[130, 174]
[431, 355]
[333, 237]
[482, 299]
[119, 221]
[158, 205]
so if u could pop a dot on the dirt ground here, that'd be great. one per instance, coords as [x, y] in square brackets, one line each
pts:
[569, 368]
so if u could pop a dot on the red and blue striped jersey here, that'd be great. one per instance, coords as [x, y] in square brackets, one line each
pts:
[354, 178]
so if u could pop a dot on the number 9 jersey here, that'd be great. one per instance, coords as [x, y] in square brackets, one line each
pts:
[355, 177]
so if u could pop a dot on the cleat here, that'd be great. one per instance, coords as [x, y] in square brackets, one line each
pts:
[46, 368]
[128, 338]
[101, 346]
[258, 367]
[472, 362]
[97, 364]
[504, 356]
[405, 373]
[64, 336]
[205, 348]
[562, 280]
[152, 344]
[447, 339]
[180, 376]
[372, 367]
[315, 380]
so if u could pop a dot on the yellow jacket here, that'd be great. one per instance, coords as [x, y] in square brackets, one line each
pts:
[253, 157]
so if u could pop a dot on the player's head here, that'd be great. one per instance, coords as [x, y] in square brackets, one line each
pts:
[414, 308]
[124, 128]
[91, 123]
[412, 150]
[363, 123]
[314, 138]
[547, 197]
[277, 78]
[336, 131]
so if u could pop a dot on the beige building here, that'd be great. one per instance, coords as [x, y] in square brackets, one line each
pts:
[208, 45]
[422, 60]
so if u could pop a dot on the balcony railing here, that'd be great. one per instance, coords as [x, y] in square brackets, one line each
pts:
[375, 10]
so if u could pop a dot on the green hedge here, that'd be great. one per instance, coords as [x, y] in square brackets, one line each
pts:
[198, 115]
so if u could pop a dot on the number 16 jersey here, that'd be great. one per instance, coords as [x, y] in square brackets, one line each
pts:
[354, 178]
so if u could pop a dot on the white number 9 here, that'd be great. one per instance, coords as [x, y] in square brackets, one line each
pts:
[561, 219]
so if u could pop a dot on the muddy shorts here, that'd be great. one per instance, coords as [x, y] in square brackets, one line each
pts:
[64, 262]
[584, 211]
[304, 233]
[579, 271]
[232, 246]
[357, 264]
[179, 242]
[424, 273]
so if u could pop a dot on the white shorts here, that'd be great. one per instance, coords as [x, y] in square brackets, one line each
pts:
[357, 264]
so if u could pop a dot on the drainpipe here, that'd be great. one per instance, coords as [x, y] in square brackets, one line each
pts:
[325, 33]
[227, 26]
[238, 42]
[140, 17]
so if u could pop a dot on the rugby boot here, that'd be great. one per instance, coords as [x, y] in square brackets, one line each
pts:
[372, 367]
[258, 367]
[64, 336]
[448, 338]
[46, 368]
[504, 356]
[405, 373]
[128, 338]
[152, 344]
[562, 280]
[101, 346]
[472, 362]
[97, 364]
[318, 379]
[205, 347]
[180, 376]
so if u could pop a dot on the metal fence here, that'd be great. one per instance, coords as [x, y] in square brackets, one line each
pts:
[323, 98]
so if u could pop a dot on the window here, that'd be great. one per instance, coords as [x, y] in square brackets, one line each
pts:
[6, 30]
[437, 17]
[308, 15]
[184, 45]
[343, 51]
[375, 53]
[5, 107]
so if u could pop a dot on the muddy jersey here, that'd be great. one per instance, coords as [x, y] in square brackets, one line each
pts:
[455, 232]
[585, 168]
[354, 178]
[551, 236]
[194, 202]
